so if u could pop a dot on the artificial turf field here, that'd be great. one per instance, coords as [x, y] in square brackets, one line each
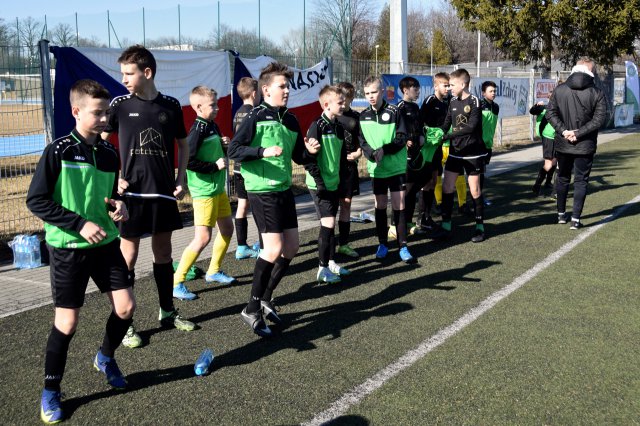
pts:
[562, 349]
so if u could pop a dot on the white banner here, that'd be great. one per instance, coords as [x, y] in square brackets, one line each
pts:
[542, 90]
[177, 71]
[623, 115]
[305, 84]
[512, 97]
[633, 90]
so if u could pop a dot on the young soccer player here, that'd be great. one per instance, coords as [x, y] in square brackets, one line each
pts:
[323, 178]
[349, 180]
[418, 169]
[490, 112]
[432, 114]
[148, 125]
[74, 191]
[248, 91]
[206, 177]
[266, 142]
[467, 151]
[547, 133]
[383, 140]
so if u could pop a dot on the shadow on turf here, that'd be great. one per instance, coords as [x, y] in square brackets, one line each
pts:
[137, 381]
[329, 321]
[351, 420]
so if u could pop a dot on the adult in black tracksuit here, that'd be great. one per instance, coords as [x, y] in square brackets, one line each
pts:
[576, 110]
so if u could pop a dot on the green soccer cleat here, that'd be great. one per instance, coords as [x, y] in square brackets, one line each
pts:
[132, 339]
[173, 319]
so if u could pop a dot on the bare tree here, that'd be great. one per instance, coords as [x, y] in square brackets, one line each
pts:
[5, 34]
[243, 41]
[28, 32]
[63, 35]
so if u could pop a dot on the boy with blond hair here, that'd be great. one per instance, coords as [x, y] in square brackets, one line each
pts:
[323, 178]
[383, 139]
[206, 177]
[248, 91]
[74, 191]
[266, 142]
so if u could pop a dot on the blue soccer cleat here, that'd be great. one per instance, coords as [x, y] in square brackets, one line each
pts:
[109, 367]
[219, 277]
[382, 251]
[51, 407]
[182, 292]
[246, 252]
[405, 256]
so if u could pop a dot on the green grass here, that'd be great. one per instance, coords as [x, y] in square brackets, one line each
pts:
[561, 350]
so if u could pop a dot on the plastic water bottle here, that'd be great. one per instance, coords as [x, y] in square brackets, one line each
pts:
[33, 252]
[204, 362]
[18, 251]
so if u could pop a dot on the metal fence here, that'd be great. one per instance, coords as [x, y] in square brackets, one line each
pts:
[21, 135]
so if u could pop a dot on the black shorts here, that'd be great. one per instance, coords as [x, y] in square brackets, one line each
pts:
[274, 211]
[70, 270]
[390, 184]
[326, 203]
[473, 166]
[420, 177]
[238, 182]
[150, 216]
[349, 182]
[548, 148]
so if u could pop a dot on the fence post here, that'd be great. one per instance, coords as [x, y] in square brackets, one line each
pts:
[47, 92]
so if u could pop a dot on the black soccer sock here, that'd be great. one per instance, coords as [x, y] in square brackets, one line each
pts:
[163, 275]
[550, 174]
[427, 198]
[114, 333]
[401, 227]
[542, 173]
[261, 275]
[344, 228]
[280, 268]
[55, 358]
[324, 240]
[332, 244]
[478, 204]
[241, 230]
[447, 206]
[381, 225]
[409, 205]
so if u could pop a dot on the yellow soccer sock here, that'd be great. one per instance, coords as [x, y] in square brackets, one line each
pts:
[220, 246]
[188, 258]
[437, 192]
[461, 189]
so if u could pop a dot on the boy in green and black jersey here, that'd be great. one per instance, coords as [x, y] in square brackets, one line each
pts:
[490, 112]
[74, 191]
[206, 174]
[383, 138]
[266, 142]
[547, 133]
[323, 178]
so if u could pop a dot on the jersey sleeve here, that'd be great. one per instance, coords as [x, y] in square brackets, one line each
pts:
[312, 166]
[239, 148]
[194, 140]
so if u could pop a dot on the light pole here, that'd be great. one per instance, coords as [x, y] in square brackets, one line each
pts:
[377, 45]
[478, 69]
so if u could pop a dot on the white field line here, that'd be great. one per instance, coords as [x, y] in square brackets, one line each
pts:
[357, 394]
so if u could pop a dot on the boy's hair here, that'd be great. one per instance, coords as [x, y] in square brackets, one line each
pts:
[348, 89]
[139, 55]
[370, 80]
[272, 70]
[488, 84]
[327, 90]
[246, 86]
[462, 74]
[407, 83]
[205, 91]
[87, 88]
[440, 78]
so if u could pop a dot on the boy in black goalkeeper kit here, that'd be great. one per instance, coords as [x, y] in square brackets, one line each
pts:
[72, 191]
[266, 142]
[206, 174]
[383, 138]
[467, 152]
[149, 125]
[323, 178]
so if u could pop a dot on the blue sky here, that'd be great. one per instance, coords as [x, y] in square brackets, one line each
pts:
[197, 18]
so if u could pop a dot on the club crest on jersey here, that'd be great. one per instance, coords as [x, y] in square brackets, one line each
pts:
[386, 116]
[163, 117]
[467, 109]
